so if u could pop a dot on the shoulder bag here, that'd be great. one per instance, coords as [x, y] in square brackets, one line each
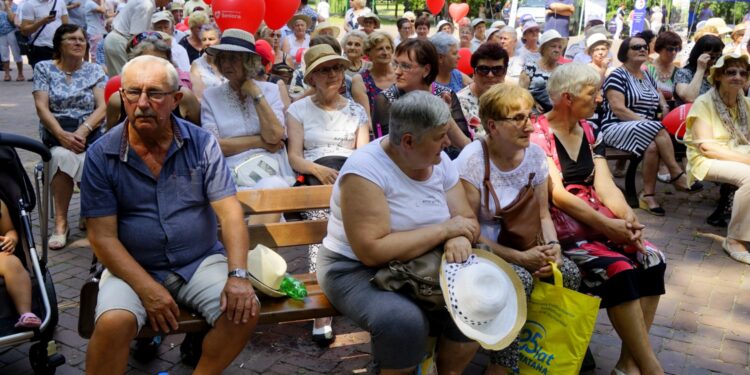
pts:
[418, 278]
[520, 221]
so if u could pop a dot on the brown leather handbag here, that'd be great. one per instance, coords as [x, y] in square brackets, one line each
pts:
[419, 279]
[520, 221]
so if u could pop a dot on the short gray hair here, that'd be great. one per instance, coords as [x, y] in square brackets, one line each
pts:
[509, 30]
[359, 34]
[173, 79]
[571, 78]
[417, 113]
[443, 42]
[210, 27]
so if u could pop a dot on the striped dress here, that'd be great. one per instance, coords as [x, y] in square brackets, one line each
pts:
[641, 97]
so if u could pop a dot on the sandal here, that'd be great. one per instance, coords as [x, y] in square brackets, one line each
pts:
[694, 188]
[58, 241]
[6, 78]
[643, 204]
[28, 320]
[740, 256]
[20, 79]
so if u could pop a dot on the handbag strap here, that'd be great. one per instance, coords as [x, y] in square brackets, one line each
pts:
[489, 190]
[588, 131]
[31, 43]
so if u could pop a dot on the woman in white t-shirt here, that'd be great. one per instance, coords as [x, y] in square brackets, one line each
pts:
[513, 164]
[322, 125]
[398, 198]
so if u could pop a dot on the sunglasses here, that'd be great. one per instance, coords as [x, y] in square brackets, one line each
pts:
[734, 72]
[146, 35]
[331, 69]
[639, 47]
[484, 70]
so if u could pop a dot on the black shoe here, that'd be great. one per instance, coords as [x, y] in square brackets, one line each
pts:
[588, 362]
[146, 349]
[324, 339]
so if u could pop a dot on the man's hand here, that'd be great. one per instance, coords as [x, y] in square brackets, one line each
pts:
[161, 308]
[457, 249]
[239, 301]
[72, 141]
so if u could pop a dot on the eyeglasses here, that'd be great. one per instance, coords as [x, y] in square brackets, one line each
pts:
[484, 70]
[133, 95]
[146, 35]
[331, 69]
[639, 47]
[403, 67]
[74, 40]
[519, 119]
[734, 72]
[673, 49]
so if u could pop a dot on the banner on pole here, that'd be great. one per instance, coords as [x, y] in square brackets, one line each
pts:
[639, 17]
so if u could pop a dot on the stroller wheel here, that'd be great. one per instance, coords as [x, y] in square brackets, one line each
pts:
[41, 362]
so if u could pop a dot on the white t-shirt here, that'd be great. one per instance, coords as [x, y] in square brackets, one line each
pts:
[413, 204]
[324, 9]
[134, 18]
[34, 10]
[94, 20]
[328, 133]
[507, 185]
[225, 116]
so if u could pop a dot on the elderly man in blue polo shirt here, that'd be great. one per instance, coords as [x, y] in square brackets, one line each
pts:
[152, 190]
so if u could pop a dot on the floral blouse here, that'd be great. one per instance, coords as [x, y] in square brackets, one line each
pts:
[74, 99]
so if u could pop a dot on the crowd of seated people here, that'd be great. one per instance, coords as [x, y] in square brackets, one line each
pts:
[391, 123]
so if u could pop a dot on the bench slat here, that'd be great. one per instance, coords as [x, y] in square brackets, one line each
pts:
[288, 234]
[266, 201]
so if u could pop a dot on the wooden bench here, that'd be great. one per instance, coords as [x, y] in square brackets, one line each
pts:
[274, 235]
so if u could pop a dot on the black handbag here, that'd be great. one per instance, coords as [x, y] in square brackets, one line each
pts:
[418, 278]
[23, 42]
[88, 299]
[69, 124]
[333, 162]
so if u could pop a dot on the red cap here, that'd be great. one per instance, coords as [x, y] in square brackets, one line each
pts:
[265, 51]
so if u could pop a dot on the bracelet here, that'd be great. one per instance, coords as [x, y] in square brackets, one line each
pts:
[553, 242]
[87, 126]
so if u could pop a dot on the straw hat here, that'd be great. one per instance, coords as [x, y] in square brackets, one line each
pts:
[738, 28]
[319, 54]
[323, 26]
[267, 269]
[549, 36]
[720, 25]
[485, 298]
[595, 39]
[234, 40]
[369, 15]
[723, 60]
[299, 16]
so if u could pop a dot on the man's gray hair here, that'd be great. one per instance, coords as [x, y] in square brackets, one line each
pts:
[571, 78]
[173, 79]
[443, 42]
[417, 113]
[509, 30]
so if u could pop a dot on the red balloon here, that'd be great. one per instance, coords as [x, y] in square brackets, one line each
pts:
[208, 2]
[676, 121]
[464, 61]
[239, 14]
[113, 84]
[280, 12]
[435, 6]
[458, 11]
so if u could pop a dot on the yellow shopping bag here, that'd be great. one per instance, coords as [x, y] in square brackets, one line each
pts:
[559, 324]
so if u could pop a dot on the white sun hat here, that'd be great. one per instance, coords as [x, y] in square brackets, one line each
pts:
[485, 298]
[267, 269]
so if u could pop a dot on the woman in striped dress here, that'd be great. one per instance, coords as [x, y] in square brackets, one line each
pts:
[630, 123]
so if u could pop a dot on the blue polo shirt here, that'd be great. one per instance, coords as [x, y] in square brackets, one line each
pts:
[557, 22]
[165, 223]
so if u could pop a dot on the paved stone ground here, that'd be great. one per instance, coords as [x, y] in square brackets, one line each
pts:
[702, 325]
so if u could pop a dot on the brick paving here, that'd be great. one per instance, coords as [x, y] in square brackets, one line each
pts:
[702, 325]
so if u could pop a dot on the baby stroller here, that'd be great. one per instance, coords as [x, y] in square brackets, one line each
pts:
[19, 196]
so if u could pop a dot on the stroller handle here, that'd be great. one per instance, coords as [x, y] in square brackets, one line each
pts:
[26, 143]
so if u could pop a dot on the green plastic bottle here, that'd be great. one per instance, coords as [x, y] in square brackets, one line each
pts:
[293, 288]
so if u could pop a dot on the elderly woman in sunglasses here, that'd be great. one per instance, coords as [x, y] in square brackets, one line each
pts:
[631, 99]
[616, 264]
[490, 62]
[718, 144]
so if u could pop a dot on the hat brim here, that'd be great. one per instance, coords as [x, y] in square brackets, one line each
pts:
[598, 42]
[336, 31]
[265, 289]
[290, 23]
[722, 61]
[310, 69]
[213, 50]
[498, 334]
[360, 20]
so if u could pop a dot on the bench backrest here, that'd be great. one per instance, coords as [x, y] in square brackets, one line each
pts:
[295, 199]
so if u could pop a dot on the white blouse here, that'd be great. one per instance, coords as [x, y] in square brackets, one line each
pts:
[208, 76]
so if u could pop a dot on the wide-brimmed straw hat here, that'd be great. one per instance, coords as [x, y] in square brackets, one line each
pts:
[549, 36]
[319, 54]
[299, 16]
[485, 298]
[371, 16]
[266, 269]
[719, 24]
[323, 26]
[722, 61]
[234, 40]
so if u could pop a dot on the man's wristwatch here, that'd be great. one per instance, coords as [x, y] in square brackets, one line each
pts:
[257, 99]
[239, 272]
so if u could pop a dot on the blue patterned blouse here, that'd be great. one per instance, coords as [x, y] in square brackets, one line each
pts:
[69, 99]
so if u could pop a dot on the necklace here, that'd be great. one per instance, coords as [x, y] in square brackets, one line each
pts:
[355, 69]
